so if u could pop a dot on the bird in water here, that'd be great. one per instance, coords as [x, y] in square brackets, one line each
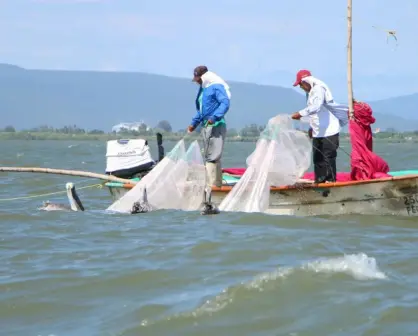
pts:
[208, 208]
[73, 199]
[141, 207]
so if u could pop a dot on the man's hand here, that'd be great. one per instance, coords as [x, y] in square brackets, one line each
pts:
[296, 116]
[310, 133]
[210, 122]
[190, 129]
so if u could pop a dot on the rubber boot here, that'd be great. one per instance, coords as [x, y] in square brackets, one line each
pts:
[210, 174]
[218, 175]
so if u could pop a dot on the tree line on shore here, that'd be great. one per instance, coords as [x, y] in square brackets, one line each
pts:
[248, 132]
[163, 127]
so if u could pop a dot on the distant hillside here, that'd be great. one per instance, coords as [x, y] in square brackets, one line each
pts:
[29, 98]
[404, 106]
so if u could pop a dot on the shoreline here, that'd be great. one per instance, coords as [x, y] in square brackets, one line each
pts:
[35, 136]
[41, 136]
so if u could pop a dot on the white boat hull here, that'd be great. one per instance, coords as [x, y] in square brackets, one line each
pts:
[389, 196]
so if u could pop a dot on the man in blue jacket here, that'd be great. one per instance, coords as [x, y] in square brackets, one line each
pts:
[212, 103]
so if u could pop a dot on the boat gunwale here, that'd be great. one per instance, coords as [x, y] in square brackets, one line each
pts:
[299, 186]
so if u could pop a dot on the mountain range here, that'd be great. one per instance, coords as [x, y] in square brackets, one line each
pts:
[99, 100]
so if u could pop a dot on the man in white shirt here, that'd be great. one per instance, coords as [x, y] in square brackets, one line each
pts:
[326, 119]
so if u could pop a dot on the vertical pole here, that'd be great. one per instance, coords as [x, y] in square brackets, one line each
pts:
[350, 60]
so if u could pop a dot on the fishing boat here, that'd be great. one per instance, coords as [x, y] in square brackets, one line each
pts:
[128, 161]
[394, 194]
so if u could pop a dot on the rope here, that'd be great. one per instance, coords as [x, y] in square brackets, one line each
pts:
[98, 185]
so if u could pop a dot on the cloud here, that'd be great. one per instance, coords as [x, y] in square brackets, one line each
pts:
[138, 26]
[57, 2]
[109, 67]
[247, 24]
[185, 29]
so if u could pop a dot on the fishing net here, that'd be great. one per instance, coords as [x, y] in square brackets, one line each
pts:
[176, 182]
[282, 155]
[192, 191]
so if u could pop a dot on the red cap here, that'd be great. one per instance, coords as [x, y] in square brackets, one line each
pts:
[300, 75]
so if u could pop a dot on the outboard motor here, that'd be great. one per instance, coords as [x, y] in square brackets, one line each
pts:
[129, 158]
[126, 158]
[160, 147]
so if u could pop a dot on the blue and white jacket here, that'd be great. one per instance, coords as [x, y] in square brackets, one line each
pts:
[212, 100]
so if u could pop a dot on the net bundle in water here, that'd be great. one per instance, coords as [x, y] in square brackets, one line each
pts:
[176, 182]
[282, 155]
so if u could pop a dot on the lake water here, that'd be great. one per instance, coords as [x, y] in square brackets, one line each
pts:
[176, 273]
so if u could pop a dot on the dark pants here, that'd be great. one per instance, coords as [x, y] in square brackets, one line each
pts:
[324, 158]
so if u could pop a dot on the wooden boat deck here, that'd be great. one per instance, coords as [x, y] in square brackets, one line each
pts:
[306, 185]
[395, 195]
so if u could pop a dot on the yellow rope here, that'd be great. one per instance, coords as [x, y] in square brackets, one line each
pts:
[98, 185]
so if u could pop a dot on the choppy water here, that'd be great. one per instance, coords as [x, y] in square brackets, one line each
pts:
[176, 273]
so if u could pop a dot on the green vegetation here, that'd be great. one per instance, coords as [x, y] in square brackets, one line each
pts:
[249, 133]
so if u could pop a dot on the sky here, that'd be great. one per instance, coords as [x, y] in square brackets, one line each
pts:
[262, 41]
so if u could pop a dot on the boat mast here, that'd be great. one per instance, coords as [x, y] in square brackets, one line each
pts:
[350, 60]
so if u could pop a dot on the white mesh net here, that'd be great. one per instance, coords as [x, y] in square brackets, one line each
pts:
[177, 182]
[281, 157]
[192, 191]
